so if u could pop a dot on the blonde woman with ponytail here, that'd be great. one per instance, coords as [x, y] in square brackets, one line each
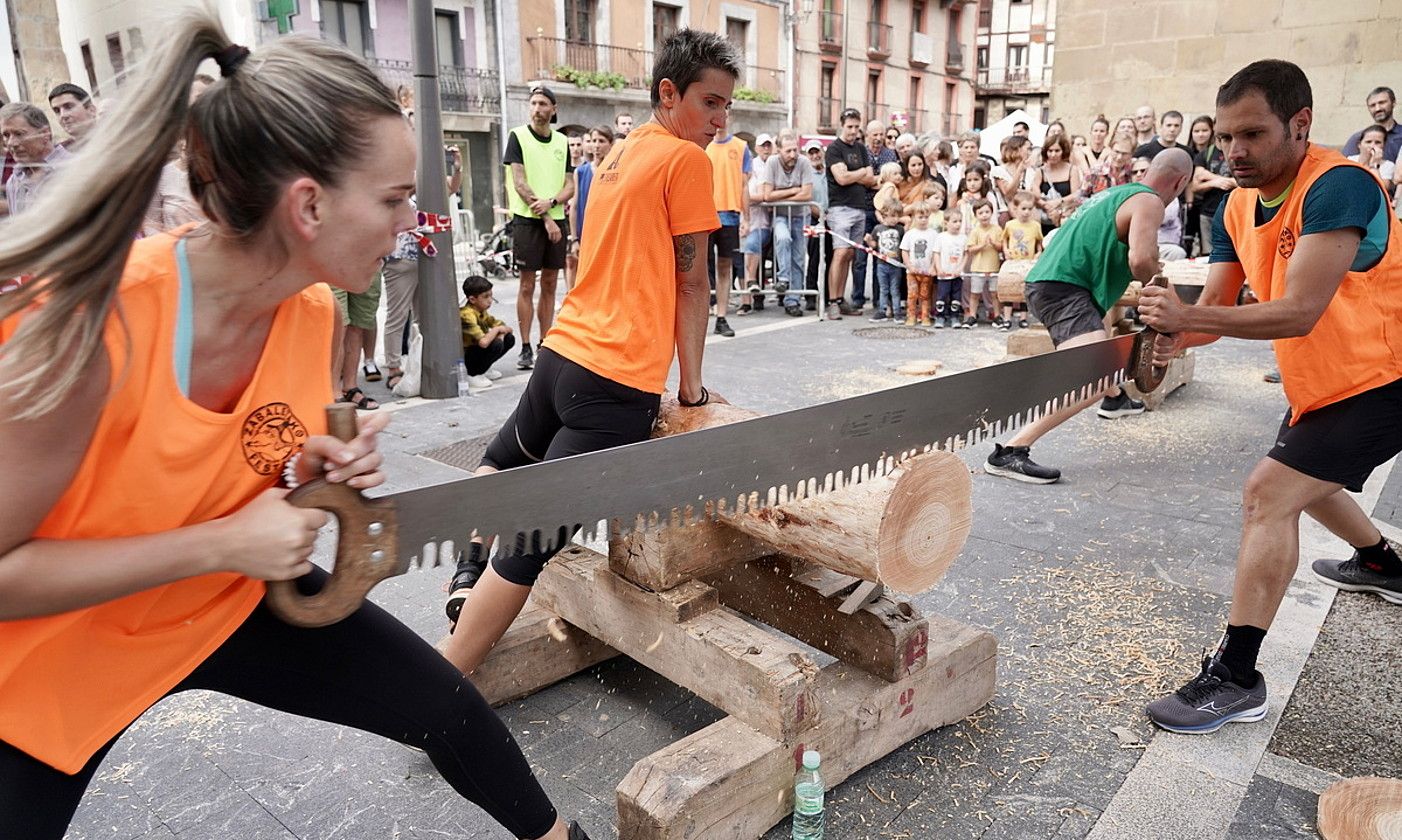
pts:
[159, 397]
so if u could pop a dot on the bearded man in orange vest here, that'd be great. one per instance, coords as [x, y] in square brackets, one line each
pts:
[1315, 236]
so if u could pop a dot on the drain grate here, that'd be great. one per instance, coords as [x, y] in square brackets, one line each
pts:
[893, 333]
[465, 454]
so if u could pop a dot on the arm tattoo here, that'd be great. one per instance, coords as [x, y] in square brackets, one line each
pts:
[685, 251]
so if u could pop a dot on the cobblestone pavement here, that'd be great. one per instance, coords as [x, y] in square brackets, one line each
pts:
[1102, 591]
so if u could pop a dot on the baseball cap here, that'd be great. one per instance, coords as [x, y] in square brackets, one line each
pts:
[548, 94]
[811, 145]
[764, 138]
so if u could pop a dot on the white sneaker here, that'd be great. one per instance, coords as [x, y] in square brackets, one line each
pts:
[478, 383]
[494, 374]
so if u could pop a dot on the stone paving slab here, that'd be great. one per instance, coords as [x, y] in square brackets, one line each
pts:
[1101, 590]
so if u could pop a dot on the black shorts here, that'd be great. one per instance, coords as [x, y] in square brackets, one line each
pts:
[565, 410]
[1066, 310]
[724, 242]
[531, 245]
[1344, 442]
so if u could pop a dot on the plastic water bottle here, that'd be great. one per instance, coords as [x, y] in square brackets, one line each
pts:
[462, 378]
[808, 799]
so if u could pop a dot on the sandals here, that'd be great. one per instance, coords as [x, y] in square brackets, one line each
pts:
[392, 379]
[359, 399]
[371, 371]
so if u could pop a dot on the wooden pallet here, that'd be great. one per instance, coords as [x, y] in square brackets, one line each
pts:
[898, 675]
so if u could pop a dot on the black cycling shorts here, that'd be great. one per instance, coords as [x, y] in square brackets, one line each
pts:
[1066, 310]
[724, 241]
[1344, 442]
[565, 410]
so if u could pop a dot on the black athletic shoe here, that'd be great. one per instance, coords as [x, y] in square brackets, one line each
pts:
[527, 359]
[723, 328]
[850, 309]
[968, 324]
[744, 310]
[810, 304]
[1352, 576]
[794, 310]
[1016, 462]
[758, 300]
[1209, 702]
[470, 569]
[1122, 406]
[577, 833]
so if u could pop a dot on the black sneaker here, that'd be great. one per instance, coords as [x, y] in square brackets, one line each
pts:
[1209, 702]
[1016, 462]
[758, 300]
[470, 569]
[968, 324]
[527, 359]
[811, 304]
[1352, 575]
[723, 328]
[744, 310]
[880, 315]
[850, 309]
[577, 833]
[794, 309]
[1122, 406]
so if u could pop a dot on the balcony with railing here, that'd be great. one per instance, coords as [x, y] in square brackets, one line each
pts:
[875, 111]
[830, 34]
[917, 120]
[879, 39]
[593, 66]
[827, 114]
[1014, 80]
[922, 49]
[464, 90]
[951, 124]
[954, 57]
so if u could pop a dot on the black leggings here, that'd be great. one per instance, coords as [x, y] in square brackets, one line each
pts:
[948, 293]
[479, 359]
[565, 410]
[369, 672]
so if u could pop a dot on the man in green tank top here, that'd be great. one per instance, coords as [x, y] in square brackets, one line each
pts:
[1111, 240]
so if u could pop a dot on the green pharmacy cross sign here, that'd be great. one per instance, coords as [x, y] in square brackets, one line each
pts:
[282, 11]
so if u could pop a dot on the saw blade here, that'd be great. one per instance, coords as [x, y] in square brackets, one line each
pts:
[750, 464]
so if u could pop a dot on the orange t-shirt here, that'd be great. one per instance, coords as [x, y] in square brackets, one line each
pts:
[1356, 345]
[619, 320]
[71, 682]
[728, 173]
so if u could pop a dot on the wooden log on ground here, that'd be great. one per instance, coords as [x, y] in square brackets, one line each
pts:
[903, 529]
[1367, 808]
[728, 780]
[1180, 373]
[539, 649]
[1011, 279]
[885, 638]
[682, 634]
[1033, 341]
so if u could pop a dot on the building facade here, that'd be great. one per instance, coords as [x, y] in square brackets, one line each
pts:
[34, 59]
[597, 56]
[1113, 57]
[904, 62]
[105, 42]
[1013, 58]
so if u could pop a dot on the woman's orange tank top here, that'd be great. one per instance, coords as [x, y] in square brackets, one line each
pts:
[157, 461]
[1356, 345]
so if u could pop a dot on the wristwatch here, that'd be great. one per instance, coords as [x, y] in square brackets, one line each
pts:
[554, 202]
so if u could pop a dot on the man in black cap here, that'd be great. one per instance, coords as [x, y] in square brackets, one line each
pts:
[537, 187]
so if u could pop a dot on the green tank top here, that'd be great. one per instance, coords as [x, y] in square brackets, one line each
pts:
[1087, 250]
[545, 171]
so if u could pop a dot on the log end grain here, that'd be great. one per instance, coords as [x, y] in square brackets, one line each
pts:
[1367, 808]
[926, 522]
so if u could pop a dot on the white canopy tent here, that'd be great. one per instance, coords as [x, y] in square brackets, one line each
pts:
[991, 137]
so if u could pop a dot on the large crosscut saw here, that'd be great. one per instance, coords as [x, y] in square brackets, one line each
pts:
[680, 479]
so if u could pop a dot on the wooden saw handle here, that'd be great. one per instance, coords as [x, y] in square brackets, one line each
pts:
[1146, 375]
[366, 550]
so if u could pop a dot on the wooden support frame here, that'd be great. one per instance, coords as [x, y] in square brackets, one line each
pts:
[539, 649]
[886, 638]
[748, 672]
[730, 781]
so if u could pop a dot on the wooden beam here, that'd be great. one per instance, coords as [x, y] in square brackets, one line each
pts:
[886, 638]
[538, 650]
[747, 671]
[665, 557]
[730, 781]
[1180, 373]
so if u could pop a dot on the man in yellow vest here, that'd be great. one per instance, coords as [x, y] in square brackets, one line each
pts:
[537, 186]
[1315, 236]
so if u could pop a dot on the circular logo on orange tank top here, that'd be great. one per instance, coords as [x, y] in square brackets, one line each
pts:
[270, 435]
[1287, 242]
